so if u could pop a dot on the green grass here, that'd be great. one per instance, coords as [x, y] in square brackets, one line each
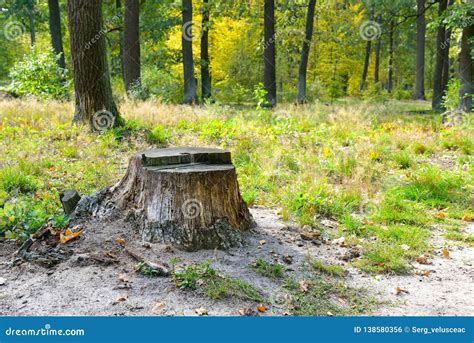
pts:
[204, 278]
[328, 269]
[271, 270]
[382, 174]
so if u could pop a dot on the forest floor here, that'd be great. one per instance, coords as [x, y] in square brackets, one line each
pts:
[90, 283]
[362, 208]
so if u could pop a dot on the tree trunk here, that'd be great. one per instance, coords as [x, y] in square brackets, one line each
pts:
[269, 51]
[419, 93]
[55, 30]
[466, 70]
[391, 46]
[118, 7]
[205, 62]
[187, 197]
[31, 19]
[131, 44]
[436, 102]
[446, 64]
[305, 52]
[368, 48]
[190, 96]
[95, 105]
[378, 48]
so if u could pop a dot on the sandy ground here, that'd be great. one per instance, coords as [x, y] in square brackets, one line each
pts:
[89, 283]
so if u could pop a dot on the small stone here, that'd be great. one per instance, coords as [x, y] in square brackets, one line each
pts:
[288, 259]
[3, 281]
[310, 235]
[201, 311]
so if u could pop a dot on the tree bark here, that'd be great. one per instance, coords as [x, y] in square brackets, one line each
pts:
[205, 62]
[95, 105]
[269, 53]
[378, 49]
[131, 44]
[419, 93]
[446, 63]
[305, 52]
[436, 102]
[391, 46]
[190, 96]
[118, 7]
[31, 19]
[55, 30]
[187, 197]
[466, 69]
[368, 48]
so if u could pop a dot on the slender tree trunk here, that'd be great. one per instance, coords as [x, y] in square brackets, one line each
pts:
[118, 7]
[131, 44]
[466, 69]
[446, 64]
[305, 52]
[391, 46]
[419, 93]
[436, 102]
[205, 62]
[190, 96]
[269, 51]
[31, 19]
[95, 105]
[378, 48]
[368, 48]
[55, 30]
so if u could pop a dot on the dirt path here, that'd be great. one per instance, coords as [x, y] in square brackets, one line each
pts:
[85, 285]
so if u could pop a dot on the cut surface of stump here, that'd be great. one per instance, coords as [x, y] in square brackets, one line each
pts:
[188, 197]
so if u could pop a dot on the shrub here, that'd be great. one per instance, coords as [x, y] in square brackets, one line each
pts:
[38, 75]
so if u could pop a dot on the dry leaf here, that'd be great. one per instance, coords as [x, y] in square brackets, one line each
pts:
[159, 309]
[68, 235]
[262, 242]
[467, 218]
[123, 297]
[201, 311]
[120, 241]
[422, 260]
[445, 253]
[261, 308]
[399, 291]
[329, 313]
[440, 215]
[341, 241]
[303, 286]
[426, 272]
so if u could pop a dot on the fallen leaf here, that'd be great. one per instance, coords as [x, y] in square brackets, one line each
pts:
[262, 242]
[422, 260]
[261, 308]
[201, 311]
[329, 313]
[399, 291]
[445, 253]
[341, 241]
[68, 235]
[123, 297]
[159, 309]
[425, 273]
[440, 215]
[368, 222]
[303, 286]
[120, 241]
[467, 218]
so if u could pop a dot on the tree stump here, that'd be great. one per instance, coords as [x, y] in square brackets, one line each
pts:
[188, 197]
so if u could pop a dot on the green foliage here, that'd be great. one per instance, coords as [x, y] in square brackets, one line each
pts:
[203, 276]
[451, 98]
[160, 135]
[329, 269]
[161, 84]
[260, 95]
[38, 75]
[271, 270]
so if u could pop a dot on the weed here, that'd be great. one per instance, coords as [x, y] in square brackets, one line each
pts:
[271, 270]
